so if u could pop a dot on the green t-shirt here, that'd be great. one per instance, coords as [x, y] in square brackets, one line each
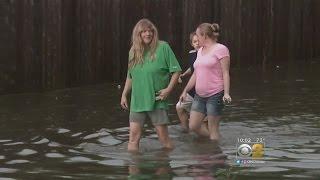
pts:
[150, 77]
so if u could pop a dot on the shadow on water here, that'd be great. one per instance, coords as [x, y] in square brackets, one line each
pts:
[82, 133]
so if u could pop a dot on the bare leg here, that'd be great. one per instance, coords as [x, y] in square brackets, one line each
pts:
[163, 135]
[213, 125]
[196, 125]
[183, 117]
[134, 137]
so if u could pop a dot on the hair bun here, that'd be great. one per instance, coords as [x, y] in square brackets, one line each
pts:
[215, 27]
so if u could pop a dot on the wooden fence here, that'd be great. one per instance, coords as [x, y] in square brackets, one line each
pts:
[48, 44]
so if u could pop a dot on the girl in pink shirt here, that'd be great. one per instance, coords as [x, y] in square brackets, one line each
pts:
[211, 80]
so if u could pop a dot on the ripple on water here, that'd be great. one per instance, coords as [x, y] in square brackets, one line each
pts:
[95, 135]
[62, 130]
[112, 162]
[54, 144]
[42, 141]
[18, 161]
[26, 152]
[297, 176]
[2, 178]
[12, 144]
[76, 134]
[301, 150]
[54, 155]
[5, 140]
[78, 159]
[8, 170]
[74, 151]
[282, 154]
[123, 129]
[109, 140]
[297, 164]
[182, 163]
[65, 177]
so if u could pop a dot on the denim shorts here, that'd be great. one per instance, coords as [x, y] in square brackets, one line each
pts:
[211, 105]
[157, 117]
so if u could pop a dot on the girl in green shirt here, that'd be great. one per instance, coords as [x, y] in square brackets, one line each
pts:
[153, 70]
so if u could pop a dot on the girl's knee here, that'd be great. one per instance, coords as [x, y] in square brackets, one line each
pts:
[194, 127]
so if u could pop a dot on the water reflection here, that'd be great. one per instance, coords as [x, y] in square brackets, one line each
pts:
[204, 157]
[154, 165]
[199, 159]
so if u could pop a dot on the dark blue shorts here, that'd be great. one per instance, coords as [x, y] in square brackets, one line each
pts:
[212, 105]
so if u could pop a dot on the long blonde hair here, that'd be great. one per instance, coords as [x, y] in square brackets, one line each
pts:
[138, 47]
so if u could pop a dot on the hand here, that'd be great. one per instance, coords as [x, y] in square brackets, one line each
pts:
[183, 96]
[124, 102]
[226, 98]
[163, 94]
[180, 78]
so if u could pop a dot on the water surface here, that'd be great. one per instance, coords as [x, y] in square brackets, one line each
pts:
[82, 133]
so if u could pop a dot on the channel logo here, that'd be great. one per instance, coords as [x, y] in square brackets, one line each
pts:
[251, 150]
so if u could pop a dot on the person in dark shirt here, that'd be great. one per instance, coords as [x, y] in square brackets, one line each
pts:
[183, 108]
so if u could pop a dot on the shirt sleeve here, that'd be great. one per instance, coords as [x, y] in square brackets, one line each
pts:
[129, 75]
[128, 72]
[171, 60]
[192, 59]
[222, 52]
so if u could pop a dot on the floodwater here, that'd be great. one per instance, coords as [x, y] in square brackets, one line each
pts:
[82, 133]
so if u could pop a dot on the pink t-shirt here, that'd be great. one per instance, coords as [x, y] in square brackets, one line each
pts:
[208, 71]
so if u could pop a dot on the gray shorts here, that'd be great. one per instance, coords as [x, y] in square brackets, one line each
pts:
[157, 117]
[186, 104]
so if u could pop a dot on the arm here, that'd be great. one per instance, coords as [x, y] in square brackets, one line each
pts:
[187, 72]
[173, 80]
[189, 86]
[126, 90]
[225, 65]
[164, 93]
[191, 83]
